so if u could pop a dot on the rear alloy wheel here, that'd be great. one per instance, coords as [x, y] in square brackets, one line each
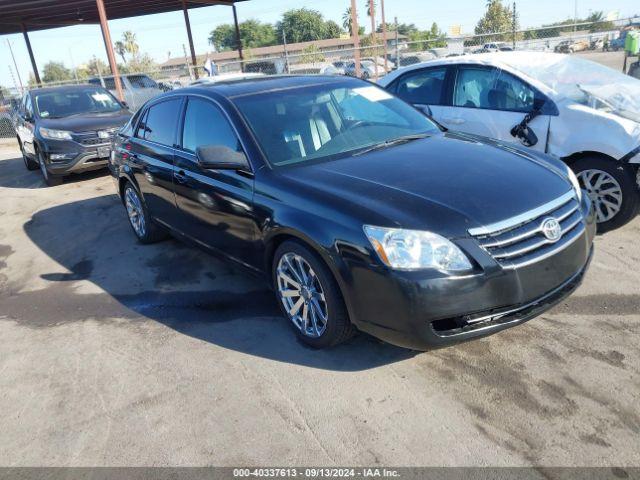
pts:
[309, 297]
[50, 179]
[145, 229]
[612, 188]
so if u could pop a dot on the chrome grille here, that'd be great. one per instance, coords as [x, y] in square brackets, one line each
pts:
[520, 241]
[92, 138]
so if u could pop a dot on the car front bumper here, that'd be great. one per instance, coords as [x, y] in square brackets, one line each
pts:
[424, 310]
[73, 157]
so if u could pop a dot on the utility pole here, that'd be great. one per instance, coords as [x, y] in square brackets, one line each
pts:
[286, 53]
[356, 37]
[372, 12]
[15, 65]
[384, 37]
[73, 65]
[395, 21]
[513, 25]
[186, 61]
[13, 79]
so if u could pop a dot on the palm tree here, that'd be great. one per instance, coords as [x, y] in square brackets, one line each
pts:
[346, 20]
[120, 49]
[130, 44]
[371, 5]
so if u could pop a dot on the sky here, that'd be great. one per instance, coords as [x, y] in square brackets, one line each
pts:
[163, 35]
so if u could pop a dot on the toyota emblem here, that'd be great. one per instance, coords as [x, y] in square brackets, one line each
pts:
[551, 229]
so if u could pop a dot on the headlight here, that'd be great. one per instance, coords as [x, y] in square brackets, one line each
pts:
[416, 250]
[55, 134]
[575, 182]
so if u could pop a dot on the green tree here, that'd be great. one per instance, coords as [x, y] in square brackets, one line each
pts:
[346, 20]
[497, 19]
[312, 54]
[424, 40]
[56, 72]
[93, 68]
[253, 34]
[599, 23]
[302, 25]
[371, 5]
[403, 28]
[140, 64]
[333, 30]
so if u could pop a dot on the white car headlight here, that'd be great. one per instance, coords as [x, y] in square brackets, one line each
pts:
[52, 134]
[416, 250]
[575, 182]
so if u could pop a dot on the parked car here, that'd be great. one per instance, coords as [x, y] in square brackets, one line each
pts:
[494, 46]
[361, 211]
[137, 88]
[572, 46]
[367, 69]
[580, 111]
[65, 130]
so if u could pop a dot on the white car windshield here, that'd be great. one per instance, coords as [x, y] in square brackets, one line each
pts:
[583, 81]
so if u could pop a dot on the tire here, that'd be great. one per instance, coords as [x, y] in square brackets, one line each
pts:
[144, 228]
[30, 163]
[598, 175]
[50, 179]
[319, 282]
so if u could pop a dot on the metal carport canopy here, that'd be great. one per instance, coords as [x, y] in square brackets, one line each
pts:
[29, 15]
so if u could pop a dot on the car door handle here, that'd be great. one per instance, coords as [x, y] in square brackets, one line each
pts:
[454, 121]
[180, 176]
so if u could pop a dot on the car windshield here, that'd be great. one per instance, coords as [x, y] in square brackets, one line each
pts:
[64, 103]
[585, 82]
[328, 121]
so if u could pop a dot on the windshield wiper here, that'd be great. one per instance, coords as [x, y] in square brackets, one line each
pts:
[392, 142]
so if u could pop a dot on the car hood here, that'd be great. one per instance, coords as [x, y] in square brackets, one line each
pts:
[448, 182]
[88, 122]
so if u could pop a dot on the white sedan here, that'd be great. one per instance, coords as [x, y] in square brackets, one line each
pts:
[580, 111]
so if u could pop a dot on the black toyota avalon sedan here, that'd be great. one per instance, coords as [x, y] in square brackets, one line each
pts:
[363, 213]
[64, 130]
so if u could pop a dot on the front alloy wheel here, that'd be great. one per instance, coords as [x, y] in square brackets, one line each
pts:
[49, 179]
[309, 296]
[612, 187]
[302, 295]
[604, 191]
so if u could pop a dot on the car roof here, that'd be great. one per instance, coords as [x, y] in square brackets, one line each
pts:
[508, 60]
[249, 86]
[62, 88]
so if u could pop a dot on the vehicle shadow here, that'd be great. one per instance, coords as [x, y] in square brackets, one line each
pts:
[14, 174]
[179, 286]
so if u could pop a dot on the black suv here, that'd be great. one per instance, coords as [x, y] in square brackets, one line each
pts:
[362, 212]
[64, 130]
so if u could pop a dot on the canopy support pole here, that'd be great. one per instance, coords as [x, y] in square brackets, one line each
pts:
[36, 74]
[194, 61]
[238, 39]
[106, 35]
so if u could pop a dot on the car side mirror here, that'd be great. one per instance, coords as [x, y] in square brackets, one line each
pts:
[124, 104]
[527, 136]
[219, 157]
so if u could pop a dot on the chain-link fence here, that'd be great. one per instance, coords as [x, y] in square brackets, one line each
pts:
[601, 41]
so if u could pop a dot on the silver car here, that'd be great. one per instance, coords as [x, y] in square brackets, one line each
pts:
[136, 87]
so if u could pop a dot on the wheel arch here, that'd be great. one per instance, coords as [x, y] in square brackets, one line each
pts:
[574, 157]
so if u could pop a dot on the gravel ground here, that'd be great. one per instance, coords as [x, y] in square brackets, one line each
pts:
[119, 354]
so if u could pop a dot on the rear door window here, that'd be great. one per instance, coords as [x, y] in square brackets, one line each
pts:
[160, 122]
[141, 81]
